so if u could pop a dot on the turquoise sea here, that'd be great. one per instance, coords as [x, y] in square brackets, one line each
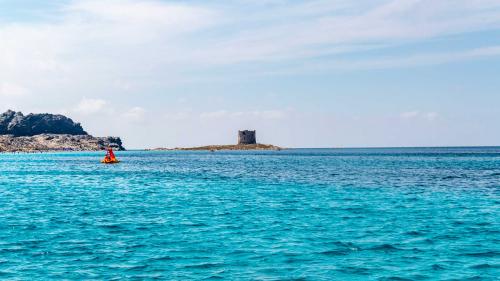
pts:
[301, 214]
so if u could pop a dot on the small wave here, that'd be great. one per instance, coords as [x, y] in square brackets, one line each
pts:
[111, 226]
[485, 266]
[6, 274]
[355, 270]
[414, 233]
[437, 267]
[193, 224]
[164, 258]
[396, 278]
[137, 267]
[335, 253]
[142, 228]
[344, 244]
[203, 265]
[13, 250]
[488, 254]
[356, 210]
[340, 246]
[446, 237]
[384, 247]
[214, 277]
[451, 177]
[296, 260]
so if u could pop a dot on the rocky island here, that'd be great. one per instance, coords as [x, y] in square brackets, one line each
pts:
[48, 132]
[257, 146]
[247, 140]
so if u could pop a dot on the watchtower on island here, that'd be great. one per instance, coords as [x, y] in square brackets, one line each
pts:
[246, 137]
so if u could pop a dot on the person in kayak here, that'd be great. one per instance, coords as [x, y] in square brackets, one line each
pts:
[110, 156]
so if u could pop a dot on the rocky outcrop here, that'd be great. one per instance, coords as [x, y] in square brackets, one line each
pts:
[16, 124]
[48, 132]
[53, 142]
[246, 141]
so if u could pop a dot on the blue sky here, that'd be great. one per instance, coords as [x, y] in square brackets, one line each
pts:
[313, 73]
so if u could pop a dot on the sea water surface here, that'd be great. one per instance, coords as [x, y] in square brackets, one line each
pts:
[301, 214]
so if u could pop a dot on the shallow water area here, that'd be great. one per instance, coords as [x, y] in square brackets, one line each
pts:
[308, 214]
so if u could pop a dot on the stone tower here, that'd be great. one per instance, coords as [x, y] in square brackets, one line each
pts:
[246, 137]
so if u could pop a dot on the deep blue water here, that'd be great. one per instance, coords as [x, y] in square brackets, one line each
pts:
[323, 214]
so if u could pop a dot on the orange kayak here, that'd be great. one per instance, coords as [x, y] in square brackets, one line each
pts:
[111, 161]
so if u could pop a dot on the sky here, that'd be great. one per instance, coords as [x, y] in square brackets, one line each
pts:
[334, 73]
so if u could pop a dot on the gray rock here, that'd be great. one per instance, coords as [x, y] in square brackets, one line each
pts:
[48, 132]
[16, 124]
[6, 118]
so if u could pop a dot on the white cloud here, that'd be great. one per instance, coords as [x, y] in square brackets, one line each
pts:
[12, 95]
[178, 116]
[132, 13]
[182, 100]
[357, 24]
[429, 116]
[409, 114]
[425, 59]
[247, 115]
[9, 90]
[270, 114]
[123, 85]
[390, 62]
[135, 114]
[111, 38]
[214, 114]
[90, 106]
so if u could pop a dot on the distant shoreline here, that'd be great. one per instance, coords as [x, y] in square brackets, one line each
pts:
[240, 148]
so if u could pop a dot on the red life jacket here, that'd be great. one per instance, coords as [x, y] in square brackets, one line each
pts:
[110, 154]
